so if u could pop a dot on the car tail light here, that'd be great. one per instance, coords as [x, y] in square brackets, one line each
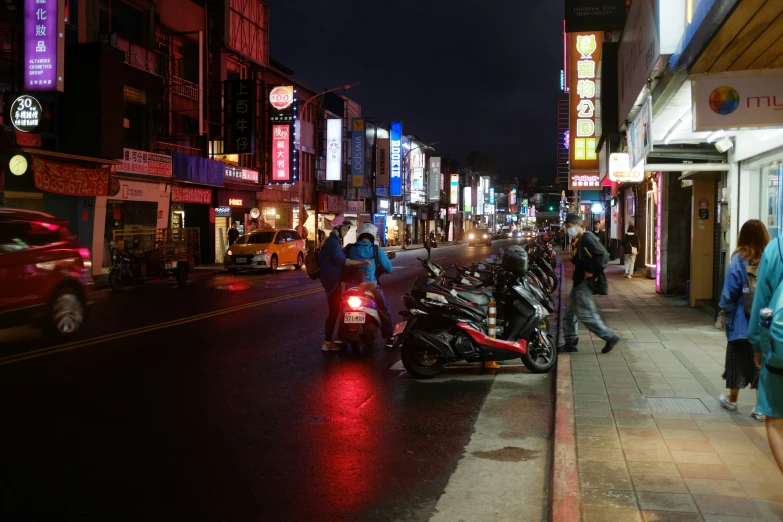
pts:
[86, 261]
[355, 302]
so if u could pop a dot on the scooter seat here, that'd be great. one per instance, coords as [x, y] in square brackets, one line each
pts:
[478, 298]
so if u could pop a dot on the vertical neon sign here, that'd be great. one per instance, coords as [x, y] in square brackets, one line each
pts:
[658, 219]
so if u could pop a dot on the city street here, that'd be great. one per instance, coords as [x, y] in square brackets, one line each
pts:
[215, 402]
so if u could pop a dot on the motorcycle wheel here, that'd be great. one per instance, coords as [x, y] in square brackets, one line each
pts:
[115, 281]
[418, 363]
[541, 353]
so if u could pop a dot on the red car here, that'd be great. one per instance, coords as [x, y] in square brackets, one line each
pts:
[45, 274]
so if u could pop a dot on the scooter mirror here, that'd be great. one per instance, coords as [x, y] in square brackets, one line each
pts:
[391, 255]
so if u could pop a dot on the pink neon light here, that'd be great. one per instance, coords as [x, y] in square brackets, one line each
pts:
[658, 219]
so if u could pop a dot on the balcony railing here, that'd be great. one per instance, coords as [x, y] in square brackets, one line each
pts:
[163, 147]
[184, 88]
[137, 55]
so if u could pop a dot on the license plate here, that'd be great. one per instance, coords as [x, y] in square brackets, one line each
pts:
[240, 260]
[399, 328]
[354, 318]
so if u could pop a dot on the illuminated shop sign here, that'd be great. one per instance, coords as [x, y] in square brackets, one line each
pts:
[587, 47]
[396, 158]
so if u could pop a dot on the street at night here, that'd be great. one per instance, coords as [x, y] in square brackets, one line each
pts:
[215, 402]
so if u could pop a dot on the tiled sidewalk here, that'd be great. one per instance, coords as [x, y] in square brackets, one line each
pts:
[652, 442]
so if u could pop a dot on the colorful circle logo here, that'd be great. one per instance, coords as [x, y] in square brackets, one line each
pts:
[724, 100]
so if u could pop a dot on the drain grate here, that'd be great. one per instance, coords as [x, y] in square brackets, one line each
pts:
[670, 405]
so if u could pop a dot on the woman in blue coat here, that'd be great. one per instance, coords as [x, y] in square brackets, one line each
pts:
[740, 369]
[770, 399]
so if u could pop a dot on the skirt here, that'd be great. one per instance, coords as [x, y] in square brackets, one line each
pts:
[740, 369]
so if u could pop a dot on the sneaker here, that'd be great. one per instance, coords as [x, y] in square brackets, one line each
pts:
[727, 404]
[329, 346]
[569, 347]
[758, 416]
[610, 344]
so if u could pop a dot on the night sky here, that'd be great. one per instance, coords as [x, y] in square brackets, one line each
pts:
[476, 75]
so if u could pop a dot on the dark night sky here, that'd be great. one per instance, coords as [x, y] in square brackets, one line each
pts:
[476, 75]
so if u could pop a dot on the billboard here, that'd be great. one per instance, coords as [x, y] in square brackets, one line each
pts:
[741, 100]
[512, 197]
[467, 200]
[281, 147]
[620, 170]
[382, 163]
[281, 101]
[357, 152]
[239, 114]
[433, 182]
[584, 180]
[585, 51]
[44, 31]
[395, 181]
[454, 189]
[594, 15]
[334, 149]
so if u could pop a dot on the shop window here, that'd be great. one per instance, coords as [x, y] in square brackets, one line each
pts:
[762, 180]
[137, 134]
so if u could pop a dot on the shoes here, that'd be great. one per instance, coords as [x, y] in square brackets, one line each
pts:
[491, 365]
[758, 416]
[569, 347]
[610, 344]
[329, 346]
[629, 276]
[727, 404]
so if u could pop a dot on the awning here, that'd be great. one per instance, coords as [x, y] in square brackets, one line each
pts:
[62, 155]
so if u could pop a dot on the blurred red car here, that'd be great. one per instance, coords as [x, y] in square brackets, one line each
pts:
[45, 274]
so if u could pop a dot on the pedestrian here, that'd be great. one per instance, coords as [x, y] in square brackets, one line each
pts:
[600, 234]
[233, 234]
[630, 244]
[590, 258]
[332, 261]
[321, 238]
[767, 349]
[740, 369]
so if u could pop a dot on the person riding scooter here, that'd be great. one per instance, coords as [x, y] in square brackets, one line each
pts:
[367, 275]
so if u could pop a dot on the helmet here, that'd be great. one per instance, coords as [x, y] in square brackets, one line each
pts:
[340, 221]
[515, 260]
[367, 228]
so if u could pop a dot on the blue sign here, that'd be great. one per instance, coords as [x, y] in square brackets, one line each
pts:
[395, 146]
[357, 152]
[197, 170]
[491, 195]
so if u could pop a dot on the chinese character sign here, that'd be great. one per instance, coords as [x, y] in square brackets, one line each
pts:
[44, 27]
[357, 152]
[239, 117]
[281, 147]
[584, 181]
[454, 189]
[585, 53]
[396, 158]
[334, 149]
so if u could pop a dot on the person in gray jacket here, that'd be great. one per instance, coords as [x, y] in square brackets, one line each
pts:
[590, 258]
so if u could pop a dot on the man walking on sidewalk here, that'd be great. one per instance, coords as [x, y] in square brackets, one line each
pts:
[589, 260]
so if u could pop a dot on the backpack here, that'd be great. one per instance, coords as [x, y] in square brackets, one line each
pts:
[312, 265]
[749, 287]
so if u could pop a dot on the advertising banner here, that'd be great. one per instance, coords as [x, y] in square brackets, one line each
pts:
[281, 159]
[512, 197]
[396, 158]
[738, 100]
[382, 163]
[620, 170]
[146, 163]
[197, 170]
[454, 189]
[433, 182]
[417, 185]
[330, 203]
[357, 152]
[334, 149]
[354, 205]
[467, 199]
[491, 195]
[60, 178]
[240, 174]
[585, 52]
[239, 117]
[281, 105]
[584, 180]
[594, 15]
[639, 135]
[180, 194]
[480, 195]
[44, 51]
[639, 52]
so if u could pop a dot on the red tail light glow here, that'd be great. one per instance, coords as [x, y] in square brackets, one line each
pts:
[355, 302]
[85, 253]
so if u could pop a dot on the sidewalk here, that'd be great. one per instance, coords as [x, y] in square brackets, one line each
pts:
[102, 281]
[640, 429]
[398, 248]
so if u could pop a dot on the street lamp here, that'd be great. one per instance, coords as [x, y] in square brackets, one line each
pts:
[301, 182]
[404, 183]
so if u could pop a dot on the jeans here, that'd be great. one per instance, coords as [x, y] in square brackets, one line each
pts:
[383, 313]
[581, 307]
[630, 261]
[334, 300]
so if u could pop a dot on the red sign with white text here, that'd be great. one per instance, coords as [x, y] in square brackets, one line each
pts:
[191, 195]
[67, 179]
[281, 149]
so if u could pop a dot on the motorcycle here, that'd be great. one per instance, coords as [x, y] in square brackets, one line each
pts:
[360, 320]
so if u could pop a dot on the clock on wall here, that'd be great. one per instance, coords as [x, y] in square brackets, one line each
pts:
[18, 165]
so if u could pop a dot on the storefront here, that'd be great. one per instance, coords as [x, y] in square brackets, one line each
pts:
[234, 206]
[760, 190]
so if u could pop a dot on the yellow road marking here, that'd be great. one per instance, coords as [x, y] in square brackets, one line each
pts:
[144, 329]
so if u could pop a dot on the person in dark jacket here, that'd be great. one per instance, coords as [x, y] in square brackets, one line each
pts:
[233, 234]
[630, 245]
[332, 260]
[590, 258]
[600, 234]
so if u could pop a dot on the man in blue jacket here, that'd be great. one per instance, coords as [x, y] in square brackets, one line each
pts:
[332, 261]
[365, 250]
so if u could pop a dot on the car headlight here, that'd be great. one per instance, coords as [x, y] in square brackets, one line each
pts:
[485, 236]
[260, 252]
[229, 253]
[472, 236]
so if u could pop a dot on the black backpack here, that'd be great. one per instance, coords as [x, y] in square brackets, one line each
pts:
[355, 273]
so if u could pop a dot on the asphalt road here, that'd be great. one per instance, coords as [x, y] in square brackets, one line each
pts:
[214, 402]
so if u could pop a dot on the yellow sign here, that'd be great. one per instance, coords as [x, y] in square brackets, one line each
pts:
[358, 124]
[584, 55]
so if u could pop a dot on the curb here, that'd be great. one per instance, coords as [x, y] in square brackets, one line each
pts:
[103, 282]
[566, 491]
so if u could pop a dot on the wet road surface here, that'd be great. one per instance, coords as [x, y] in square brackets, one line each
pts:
[214, 402]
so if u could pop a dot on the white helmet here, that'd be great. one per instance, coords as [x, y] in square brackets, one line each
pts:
[367, 228]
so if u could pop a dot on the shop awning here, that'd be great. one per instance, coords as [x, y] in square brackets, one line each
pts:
[72, 157]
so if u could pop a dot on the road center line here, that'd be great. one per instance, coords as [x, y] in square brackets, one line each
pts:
[10, 359]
